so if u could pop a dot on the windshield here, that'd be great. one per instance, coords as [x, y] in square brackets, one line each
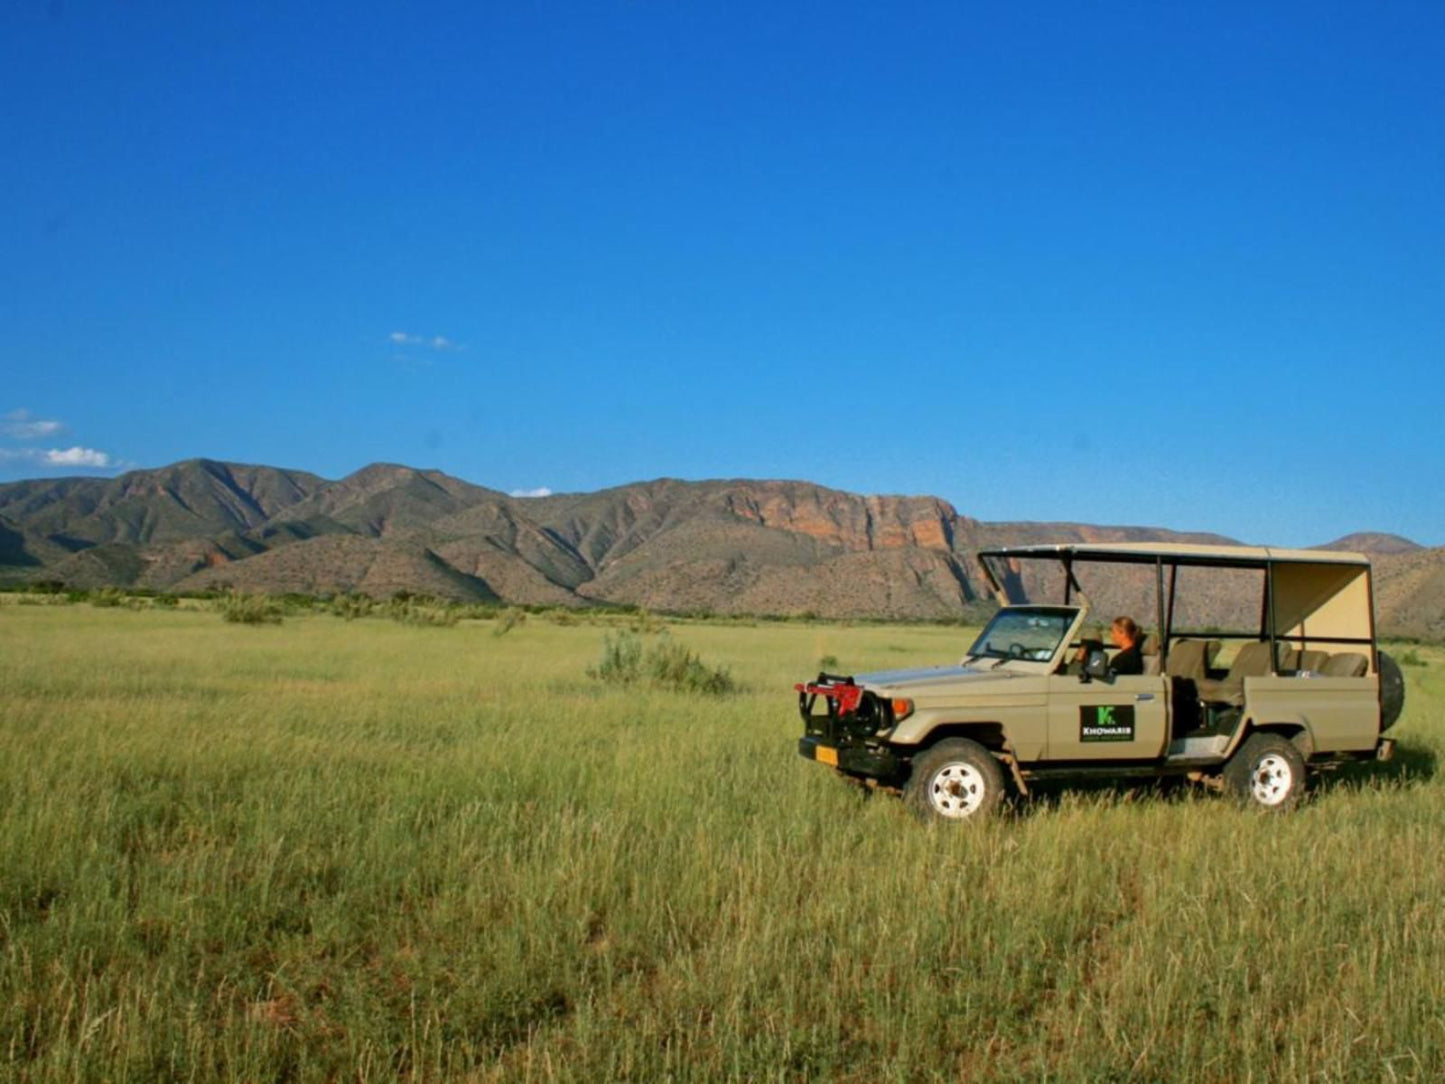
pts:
[1032, 633]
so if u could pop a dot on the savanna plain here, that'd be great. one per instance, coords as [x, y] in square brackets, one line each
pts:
[365, 850]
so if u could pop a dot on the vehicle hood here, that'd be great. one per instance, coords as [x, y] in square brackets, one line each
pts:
[929, 675]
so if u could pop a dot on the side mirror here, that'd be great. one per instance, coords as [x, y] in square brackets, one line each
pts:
[1096, 666]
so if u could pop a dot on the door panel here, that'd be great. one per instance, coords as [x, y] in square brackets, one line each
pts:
[1123, 719]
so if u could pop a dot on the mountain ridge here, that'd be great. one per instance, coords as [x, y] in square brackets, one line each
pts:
[772, 546]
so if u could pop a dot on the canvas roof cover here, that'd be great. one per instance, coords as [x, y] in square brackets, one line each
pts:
[1179, 553]
[1319, 595]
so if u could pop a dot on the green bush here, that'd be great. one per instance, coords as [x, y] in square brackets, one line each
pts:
[1412, 658]
[672, 665]
[667, 664]
[350, 607]
[107, 597]
[621, 662]
[510, 618]
[423, 614]
[828, 663]
[250, 609]
[647, 623]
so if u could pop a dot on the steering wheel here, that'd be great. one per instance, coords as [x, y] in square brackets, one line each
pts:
[1015, 651]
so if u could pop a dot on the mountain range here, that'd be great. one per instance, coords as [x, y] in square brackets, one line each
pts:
[727, 546]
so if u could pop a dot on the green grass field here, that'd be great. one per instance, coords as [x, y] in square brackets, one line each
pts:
[366, 851]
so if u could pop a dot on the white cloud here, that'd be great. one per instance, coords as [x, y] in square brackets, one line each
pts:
[434, 342]
[540, 491]
[77, 457]
[61, 457]
[22, 425]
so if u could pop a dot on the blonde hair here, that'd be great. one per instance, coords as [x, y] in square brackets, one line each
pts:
[1127, 627]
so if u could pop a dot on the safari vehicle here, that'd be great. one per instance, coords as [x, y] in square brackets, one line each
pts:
[1306, 688]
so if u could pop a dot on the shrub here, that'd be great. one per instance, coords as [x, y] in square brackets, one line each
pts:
[250, 609]
[107, 597]
[350, 607]
[672, 665]
[420, 610]
[1412, 658]
[827, 663]
[621, 661]
[667, 664]
[510, 618]
[426, 616]
[646, 622]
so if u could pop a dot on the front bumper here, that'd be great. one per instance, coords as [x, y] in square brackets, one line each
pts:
[852, 759]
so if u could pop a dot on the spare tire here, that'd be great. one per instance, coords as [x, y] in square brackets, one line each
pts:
[1392, 692]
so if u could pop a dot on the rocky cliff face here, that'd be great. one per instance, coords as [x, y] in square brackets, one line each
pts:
[846, 520]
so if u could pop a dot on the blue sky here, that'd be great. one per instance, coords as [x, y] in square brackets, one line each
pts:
[1120, 263]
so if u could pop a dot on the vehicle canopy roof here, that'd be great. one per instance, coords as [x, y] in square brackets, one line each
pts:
[1322, 595]
[1179, 553]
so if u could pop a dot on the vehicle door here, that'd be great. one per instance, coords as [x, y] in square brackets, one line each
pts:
[1122, 718]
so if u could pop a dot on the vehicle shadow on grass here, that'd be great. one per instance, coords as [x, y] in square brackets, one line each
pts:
[1050, 795]
[1410, 765]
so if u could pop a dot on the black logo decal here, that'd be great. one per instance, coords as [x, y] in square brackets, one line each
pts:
[1106, 722]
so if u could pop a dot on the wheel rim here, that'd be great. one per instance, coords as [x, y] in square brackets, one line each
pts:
[956, 790]
[1272, 780]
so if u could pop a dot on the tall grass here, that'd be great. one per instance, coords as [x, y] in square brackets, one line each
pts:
[364, 851]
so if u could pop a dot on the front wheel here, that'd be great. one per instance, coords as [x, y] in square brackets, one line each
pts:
[956, 780]
[1267, 773]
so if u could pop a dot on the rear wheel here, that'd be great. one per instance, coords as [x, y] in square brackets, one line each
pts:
[955, 780]
[1266, 773]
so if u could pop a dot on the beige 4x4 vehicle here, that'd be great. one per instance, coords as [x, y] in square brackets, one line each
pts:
[1034, 698]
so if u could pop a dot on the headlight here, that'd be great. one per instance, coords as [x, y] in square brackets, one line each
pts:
[902, 708]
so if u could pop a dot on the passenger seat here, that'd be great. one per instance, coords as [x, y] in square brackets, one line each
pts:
[1252, 661]
[1300, 661]
[1346, 664]
[1187, 666]
[1191, 658]
[1149, 649]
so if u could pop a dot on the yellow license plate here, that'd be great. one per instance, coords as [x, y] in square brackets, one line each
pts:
[824, 755]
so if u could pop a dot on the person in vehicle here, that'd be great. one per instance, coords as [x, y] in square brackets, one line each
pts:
[1125, 634]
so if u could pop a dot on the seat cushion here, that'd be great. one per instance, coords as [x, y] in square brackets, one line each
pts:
[1190, 658]
[1149, 649]
[1306, 660]
[1346, 664]
[1252, 661]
